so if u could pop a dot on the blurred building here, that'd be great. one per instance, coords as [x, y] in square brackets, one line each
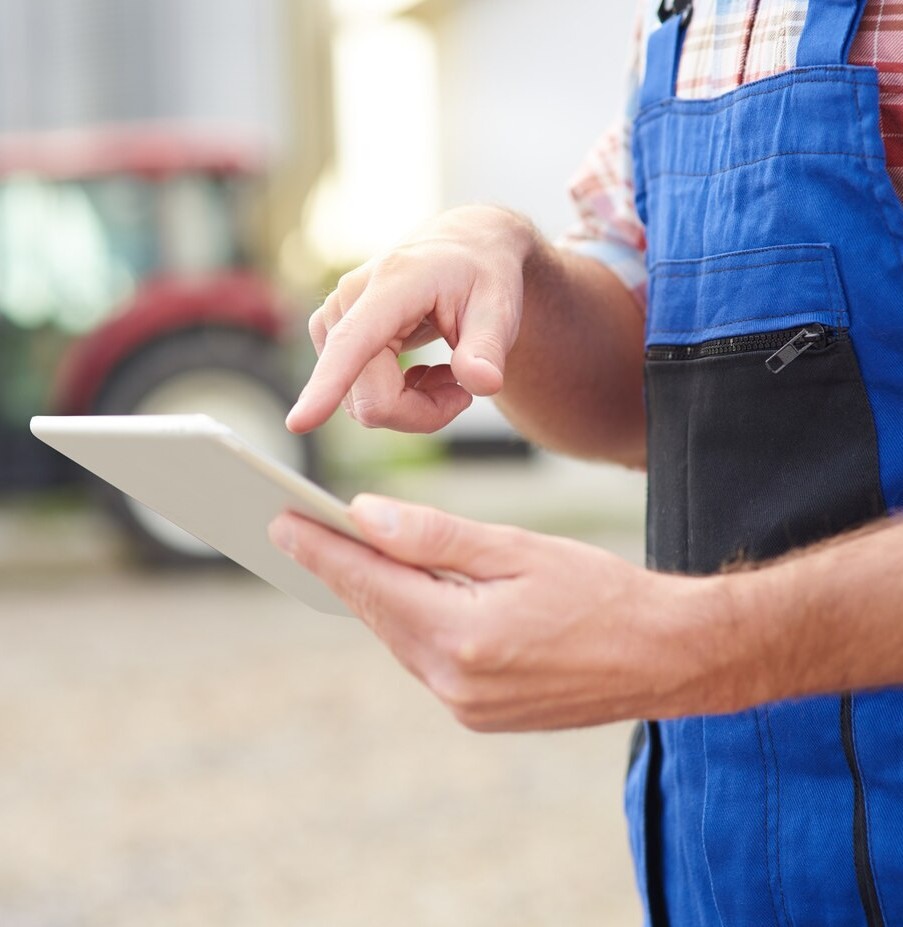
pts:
[525, 87]
[255, 72]
[370, 115]
[210, 64]
[444, 102]
[140, 144]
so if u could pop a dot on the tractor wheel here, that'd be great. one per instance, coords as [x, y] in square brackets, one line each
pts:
[234, 376]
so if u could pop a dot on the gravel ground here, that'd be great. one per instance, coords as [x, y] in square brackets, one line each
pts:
[189, 750]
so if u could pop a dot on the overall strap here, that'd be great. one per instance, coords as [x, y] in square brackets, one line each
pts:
[828, 32]
[663, 58]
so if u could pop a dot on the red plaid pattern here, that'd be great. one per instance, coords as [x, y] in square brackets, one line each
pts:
[728, 43]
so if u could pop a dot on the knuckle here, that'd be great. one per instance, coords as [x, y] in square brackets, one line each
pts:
[454, 689]
[308, 558]
[479, 651]
[439, 531]
[349, 288]
[326, 312]
[355, 586]
[345, 282]
[316, 322]
[460, 686]
[471, 654]
[371, 413]
[517, 538]
[465, 660]
[347, 331]
[316, 328]
[492, 342]
[395, 262]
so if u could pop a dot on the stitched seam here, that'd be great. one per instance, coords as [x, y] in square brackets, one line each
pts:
[859, 384]
[680, 823]
[725, 270]
[765, 815]
[868, 814]
[752, 318]
[780, 154]
[835, 291]
[694, 109]
[685, 107]
[767, 249]
[644, 120]
[836, 307]
[705, 849]
[777, 787]
[875, 179]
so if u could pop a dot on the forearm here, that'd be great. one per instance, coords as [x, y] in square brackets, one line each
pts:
[826, 619]
[574, 377]
[550, 633]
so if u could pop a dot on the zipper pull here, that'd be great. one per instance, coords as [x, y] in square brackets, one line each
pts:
[804, 339]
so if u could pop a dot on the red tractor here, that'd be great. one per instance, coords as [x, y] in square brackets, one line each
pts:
[127, 286]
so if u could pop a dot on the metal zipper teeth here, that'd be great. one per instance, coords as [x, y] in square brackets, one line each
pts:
[737, 344]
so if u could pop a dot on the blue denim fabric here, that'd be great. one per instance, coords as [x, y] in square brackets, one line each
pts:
[767, 208]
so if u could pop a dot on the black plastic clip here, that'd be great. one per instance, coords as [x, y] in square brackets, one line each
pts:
[682, 8]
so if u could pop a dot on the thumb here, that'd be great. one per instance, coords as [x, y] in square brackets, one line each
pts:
[433, 539]
[487, 332]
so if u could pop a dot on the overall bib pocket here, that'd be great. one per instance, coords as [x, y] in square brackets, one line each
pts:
[751, 376]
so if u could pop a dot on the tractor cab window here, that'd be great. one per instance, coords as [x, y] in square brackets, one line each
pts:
[57, 266]
[72, 251]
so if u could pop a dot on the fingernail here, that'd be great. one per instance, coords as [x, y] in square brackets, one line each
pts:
[379, 515]
[282, 534]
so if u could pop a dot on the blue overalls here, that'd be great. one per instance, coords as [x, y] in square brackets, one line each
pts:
[774, 386]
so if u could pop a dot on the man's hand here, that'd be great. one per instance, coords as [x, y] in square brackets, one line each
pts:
[554, 337]
[547, 633]
[462, 280]
[551, 633]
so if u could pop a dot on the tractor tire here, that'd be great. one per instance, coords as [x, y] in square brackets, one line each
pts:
[237, 377]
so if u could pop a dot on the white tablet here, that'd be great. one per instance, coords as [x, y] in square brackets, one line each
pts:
[203, 477]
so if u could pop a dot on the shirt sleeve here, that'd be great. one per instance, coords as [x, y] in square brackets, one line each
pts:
[609, 228]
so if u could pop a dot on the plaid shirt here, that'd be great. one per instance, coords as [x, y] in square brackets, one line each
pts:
[728, 43]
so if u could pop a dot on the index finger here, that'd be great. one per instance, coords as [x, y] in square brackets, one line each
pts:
[373, 323]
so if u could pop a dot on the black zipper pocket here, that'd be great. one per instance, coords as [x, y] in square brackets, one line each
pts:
[784, 346]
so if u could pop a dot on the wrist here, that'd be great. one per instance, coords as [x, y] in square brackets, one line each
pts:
[724, 656]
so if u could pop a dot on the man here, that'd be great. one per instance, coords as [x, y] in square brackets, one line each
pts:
[773, 363]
